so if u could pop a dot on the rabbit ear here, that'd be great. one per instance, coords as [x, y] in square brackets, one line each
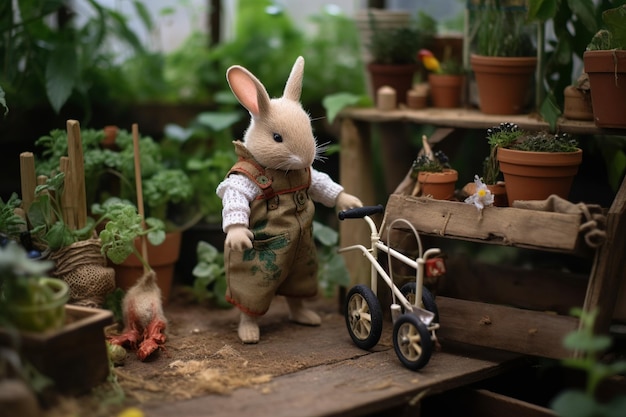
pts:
[248, 90]
[293, 88]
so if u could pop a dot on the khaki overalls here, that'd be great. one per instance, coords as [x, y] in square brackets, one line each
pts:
[283, 259]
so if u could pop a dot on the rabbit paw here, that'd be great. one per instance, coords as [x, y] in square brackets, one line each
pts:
[239, 238]
[301, 315]
[248, 330]
[347, 201]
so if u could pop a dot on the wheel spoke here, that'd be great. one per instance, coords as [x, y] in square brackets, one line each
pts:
[409, 341]
[360, 317]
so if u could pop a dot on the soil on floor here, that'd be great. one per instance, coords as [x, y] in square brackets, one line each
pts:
[204, 356]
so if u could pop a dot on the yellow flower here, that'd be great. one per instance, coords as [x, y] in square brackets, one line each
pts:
[131, 412]
[428, 59]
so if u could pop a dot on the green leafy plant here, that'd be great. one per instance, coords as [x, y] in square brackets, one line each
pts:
[331, 48]
[498, 136]
[123, 225]
[614, 35]
[210, 276]
[332, 272]
[66, 59]
[400, 45]
[45, 216]
[435, 162]
[590, 347]
[110, 172]
[334, 103]
[450, 66]
[546, 142]
[11, 224]
[499, 29]
[203, 150]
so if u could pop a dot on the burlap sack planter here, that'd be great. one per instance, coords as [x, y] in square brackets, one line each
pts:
[83, 266]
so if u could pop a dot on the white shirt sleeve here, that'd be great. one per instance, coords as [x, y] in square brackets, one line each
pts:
[236, 192]
[323, 189]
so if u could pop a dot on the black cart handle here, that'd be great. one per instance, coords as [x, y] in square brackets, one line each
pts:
[360, 212]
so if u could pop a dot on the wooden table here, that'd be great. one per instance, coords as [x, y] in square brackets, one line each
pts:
[341, 380]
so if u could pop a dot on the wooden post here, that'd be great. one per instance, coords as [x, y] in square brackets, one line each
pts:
[67, 199]
[77, 172]
[27, 178]
[355, 175]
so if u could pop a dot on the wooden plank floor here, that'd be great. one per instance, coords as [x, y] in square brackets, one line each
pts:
[354, 383]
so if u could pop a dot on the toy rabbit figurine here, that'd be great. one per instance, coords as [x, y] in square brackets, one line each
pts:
[268, 205]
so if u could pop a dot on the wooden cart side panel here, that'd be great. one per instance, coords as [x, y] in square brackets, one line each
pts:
[496, 225]
[502, 327]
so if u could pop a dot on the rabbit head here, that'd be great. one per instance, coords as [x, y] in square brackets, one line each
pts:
[279, 135]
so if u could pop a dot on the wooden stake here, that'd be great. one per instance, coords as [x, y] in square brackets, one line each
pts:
[138, 185]
[77, 171]
[67, 200]
[27, 178]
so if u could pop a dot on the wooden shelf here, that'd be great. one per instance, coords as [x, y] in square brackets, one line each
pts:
[472, 119]
[520, 329]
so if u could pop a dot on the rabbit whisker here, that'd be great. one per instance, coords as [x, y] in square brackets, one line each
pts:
[320, 150]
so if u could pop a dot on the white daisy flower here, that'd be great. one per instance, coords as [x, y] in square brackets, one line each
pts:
[482, 197]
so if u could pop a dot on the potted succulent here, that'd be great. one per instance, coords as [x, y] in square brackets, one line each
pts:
[535, 165]
[504, 59]
[446, 79]
[605, 64]
[433, 175]
[394, 54]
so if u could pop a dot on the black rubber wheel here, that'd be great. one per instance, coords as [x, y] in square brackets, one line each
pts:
[412, 342]
[428, 299]
[364, 317]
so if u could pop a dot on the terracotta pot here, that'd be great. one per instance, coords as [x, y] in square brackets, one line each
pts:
[503, 83]
[446, 91]
[537, 175]
[438, 185]
[398, 77]
[110, 135]
[607, 79]
[577, 104]
[162, 258]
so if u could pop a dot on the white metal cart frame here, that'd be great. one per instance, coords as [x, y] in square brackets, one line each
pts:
[414, 322]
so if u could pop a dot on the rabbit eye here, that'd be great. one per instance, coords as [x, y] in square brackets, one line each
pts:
[278, 138]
